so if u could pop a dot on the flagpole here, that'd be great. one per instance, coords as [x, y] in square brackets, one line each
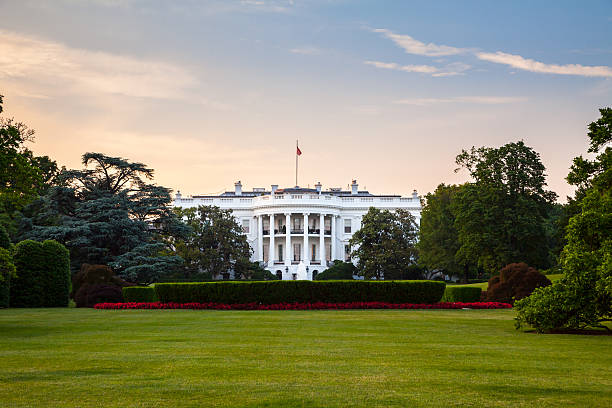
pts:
[296, 162]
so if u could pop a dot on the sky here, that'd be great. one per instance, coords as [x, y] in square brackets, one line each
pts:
[385, 92]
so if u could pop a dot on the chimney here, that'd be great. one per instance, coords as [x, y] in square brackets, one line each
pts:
[318, 186]
[354, 187]
[415, 195]
[274, 188]
[238, 186]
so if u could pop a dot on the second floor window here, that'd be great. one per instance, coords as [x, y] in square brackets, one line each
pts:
[347, 226]
[246, 225]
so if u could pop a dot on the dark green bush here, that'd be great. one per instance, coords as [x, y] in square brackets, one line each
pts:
[139, 294]
[5, 240]
[7, 271]
[338, 271]
[272, 292]
[90, 294]
[464, 294]
[43, 275]
[95, 274]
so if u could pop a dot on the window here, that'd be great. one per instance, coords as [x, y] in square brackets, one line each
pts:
[313, 254]
[266, 253]
[328, 252]
[297, 223]
[347, 253]
[266, 224]
[280, 252]
[347, 225]
[297, 252]
[327, 224]
[246, 225]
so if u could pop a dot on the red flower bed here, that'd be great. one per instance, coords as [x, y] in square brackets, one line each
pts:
[302, 306]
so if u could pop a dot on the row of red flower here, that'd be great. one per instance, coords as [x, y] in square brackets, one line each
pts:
[302, 306]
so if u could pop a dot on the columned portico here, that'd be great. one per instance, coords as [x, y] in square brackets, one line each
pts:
[287, 239]
[306, 257]
[333, 238]
[322, 239]
[271, 256]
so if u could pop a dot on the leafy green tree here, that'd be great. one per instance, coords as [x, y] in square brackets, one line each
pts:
[216, 245]
[385, 244]
[583, 297]
[438, 237]
[500, 217]
[107, 213]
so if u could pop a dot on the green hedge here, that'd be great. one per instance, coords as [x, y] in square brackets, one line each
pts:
[272, 292]
[461, 294]
[43, 275]
[7, 272]
[139, 294]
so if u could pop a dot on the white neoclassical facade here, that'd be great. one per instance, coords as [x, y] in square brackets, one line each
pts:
[297, 232]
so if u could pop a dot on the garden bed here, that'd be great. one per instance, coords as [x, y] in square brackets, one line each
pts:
[301, 306]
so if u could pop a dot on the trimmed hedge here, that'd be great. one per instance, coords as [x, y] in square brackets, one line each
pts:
[7, 271]
[139, 294]
[461, 294]
[274, 292]
[43, 275]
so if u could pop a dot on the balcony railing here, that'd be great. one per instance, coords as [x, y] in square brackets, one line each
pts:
[297, 231]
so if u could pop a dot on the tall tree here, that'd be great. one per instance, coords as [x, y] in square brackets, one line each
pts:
[107, 213]
[583, 297]
[216, 245]
[385, 243]
[500, 216]
[438, 238]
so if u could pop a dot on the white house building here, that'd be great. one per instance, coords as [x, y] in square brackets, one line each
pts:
[297, 232]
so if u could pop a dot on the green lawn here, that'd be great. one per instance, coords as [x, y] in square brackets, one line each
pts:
[374, 358]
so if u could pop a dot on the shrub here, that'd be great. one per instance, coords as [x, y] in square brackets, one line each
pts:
[139, 294]
[7, 271]
[89, 294]
[514, 282]
[338, 271]
[95, 274]
[5, 240]
[273, 292]
[43, 275]
[464, 294]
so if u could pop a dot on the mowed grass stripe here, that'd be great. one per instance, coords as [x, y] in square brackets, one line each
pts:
[184, 358]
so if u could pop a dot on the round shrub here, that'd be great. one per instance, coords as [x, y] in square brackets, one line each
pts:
[89, 294]
[43, 275]
[514, 282]
[338, 271]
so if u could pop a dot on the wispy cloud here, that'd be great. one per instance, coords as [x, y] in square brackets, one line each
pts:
[448, 70]
[308, 50]
[412, 46]
[26, 59]
[481, 100]
[526, 64]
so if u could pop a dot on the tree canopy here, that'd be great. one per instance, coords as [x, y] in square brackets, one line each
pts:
[107, 213]
[385, 243]
[500, 216]
[215, 246]
[583, 297]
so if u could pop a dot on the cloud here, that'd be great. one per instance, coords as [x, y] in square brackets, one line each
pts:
[456, 68]
[27, 59]
[412, 46]
[305, 50]
[518, 62]
[481, 100]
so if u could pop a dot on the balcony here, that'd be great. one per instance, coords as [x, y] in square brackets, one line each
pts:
[297, 231]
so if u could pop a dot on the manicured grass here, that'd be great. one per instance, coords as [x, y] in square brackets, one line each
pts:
[484, 285]
[371, 358]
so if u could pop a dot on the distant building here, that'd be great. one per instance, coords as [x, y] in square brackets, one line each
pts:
[297, 232]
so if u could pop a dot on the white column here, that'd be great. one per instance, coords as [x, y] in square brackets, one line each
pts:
[260, 256]
[287, 238]
[271, 255]
[322, 239]
[305, 257]
[333, 238]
